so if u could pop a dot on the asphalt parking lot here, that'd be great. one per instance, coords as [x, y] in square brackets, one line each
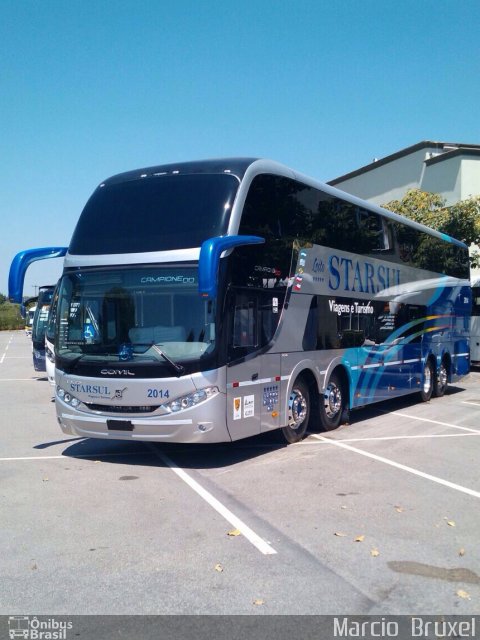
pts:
[378, 517]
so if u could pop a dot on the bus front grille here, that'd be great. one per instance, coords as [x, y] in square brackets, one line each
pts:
[113, 408]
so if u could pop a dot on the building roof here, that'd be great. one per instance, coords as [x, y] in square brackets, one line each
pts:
[446, 151]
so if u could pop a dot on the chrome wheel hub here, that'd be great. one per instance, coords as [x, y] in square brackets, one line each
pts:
[427, 379]
[297, 409]
[332, 400]
[442, 376]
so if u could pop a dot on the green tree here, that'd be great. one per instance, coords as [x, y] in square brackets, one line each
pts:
[461, 220]
[10, 317]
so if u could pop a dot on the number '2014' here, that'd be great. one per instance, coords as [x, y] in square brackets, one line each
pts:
[158, 393]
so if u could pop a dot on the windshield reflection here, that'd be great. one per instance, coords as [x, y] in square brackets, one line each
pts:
[151, 314]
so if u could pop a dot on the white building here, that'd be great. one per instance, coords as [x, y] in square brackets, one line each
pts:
[448, 168]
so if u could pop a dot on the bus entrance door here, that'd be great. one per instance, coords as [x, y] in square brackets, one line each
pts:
[244, 369]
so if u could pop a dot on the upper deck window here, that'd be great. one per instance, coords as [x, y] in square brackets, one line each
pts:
[157, 213]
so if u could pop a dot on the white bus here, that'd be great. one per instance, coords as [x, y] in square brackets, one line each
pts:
[50, 339]
[475, 323]
[29, 316]
[211, 301]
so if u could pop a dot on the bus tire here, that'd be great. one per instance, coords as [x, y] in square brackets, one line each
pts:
[428, 379]
[332, 403]
[441, 380]
[298, 412]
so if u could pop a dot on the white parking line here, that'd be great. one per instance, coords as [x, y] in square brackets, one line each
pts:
[475, 404]
[20, 379]
[251, 536]
[397, 465]
[442, 424]
[80, 456]
[6, 349]
[432, 435]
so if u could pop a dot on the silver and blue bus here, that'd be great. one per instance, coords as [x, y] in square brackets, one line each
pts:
[475, 323]
[211, 301]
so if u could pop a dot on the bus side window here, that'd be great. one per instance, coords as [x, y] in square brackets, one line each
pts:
[244, 323]
[310, 336]
[372, 231]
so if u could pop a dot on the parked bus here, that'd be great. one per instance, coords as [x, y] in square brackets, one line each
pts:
[475, 323]
[50, 339]
[29, 315]
[39, 326]
[211, 301]
[27, 305]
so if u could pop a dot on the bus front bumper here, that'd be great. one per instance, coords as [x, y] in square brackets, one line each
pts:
[192, 427]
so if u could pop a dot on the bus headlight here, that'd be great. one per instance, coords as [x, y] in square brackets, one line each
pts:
[190, 400]
[50, 355]
[67, 397]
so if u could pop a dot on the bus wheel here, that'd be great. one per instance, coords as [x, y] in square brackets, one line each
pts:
[428, 377]
[441, 381]
[332, 403]
[298, 412]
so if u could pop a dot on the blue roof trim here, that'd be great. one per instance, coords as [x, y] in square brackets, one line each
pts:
[210, 253]
[20, 264]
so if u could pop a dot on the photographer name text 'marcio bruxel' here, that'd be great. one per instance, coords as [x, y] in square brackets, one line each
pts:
[345, 627]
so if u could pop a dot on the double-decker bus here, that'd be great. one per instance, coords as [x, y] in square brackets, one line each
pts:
[475, 322]
[211, 301]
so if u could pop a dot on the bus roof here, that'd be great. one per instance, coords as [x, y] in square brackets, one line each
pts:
[249, 167]
[235, 166]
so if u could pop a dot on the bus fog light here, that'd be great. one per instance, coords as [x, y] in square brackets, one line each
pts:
[190, 400]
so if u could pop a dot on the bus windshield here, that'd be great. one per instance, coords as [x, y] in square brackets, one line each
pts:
[134, 314]
[40, 322]
[155, 213]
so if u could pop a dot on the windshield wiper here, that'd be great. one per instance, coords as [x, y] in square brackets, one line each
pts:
[179, 370]
[70, 365]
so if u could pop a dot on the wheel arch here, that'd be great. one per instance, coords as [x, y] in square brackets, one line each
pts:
[307, 371]
[317, 380]
[338, 365]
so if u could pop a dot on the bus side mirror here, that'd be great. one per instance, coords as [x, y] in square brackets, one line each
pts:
[209, 260]
[20, 264]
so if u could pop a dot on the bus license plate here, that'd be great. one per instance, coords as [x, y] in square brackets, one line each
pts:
[119, 425]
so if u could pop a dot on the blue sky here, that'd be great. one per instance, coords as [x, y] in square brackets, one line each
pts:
[92, 88]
